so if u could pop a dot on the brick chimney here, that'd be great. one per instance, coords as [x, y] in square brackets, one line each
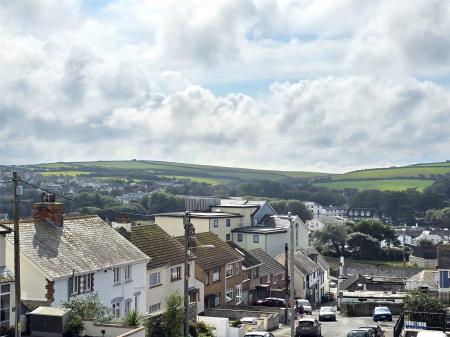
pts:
[49, 210]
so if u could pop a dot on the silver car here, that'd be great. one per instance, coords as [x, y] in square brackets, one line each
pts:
[259, 334]
[308, 327]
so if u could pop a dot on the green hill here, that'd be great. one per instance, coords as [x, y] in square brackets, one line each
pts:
[417, 176]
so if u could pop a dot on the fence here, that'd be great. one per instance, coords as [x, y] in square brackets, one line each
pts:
[415, 320]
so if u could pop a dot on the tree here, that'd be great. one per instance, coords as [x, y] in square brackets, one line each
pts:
[425, 242]
[439, 217]
[363, 245]
[174, 314]
[295, 206]
[335, 234]
[420, 301]
[377, 230]
[88, 307]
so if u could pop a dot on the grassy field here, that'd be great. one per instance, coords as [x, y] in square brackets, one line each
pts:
[211, 181]
[398, 172]
[63, 173]
[383, 184]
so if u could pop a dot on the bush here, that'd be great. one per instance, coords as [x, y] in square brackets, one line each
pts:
[75, 323]
[89, 307]
[133, 318]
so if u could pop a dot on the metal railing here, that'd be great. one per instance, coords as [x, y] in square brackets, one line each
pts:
[398, 328]
[421, 321]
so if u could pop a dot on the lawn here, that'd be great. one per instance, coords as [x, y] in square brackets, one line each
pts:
[383, 184]
[406, 172]
[63, 173]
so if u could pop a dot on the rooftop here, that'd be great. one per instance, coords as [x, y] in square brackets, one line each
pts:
[250, 261]
[207, 215]
[163, 249]
[304, 264]
[269, 264]
[259, 230]
[83, 244]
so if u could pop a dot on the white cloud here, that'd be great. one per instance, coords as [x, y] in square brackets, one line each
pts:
[131, 79]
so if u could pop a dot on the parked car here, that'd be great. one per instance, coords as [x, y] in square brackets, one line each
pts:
[308, 327]
[358, 333]
[327, 314]
[259, 334]
[382, 314]
[378, 332]
[272, 302]
[431, 333]
[369, 330]
[306, 306]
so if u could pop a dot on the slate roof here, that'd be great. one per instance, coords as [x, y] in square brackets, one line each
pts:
[304, 264]
[259, 230]
[83, 244]
[428, 277]
[320, 259]
[269, 264]
[250, 261]
[202, 215]
[214, 253]
[163, 249]
[351, 280]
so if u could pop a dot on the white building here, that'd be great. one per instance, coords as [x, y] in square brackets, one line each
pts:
[7, 295]
[315, 208]
[62, 258]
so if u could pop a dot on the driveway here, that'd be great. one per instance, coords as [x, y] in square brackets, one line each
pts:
[341, 326]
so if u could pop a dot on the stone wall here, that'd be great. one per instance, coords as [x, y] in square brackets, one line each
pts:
[366, 308]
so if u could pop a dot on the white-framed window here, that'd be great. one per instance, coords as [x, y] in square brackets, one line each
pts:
[83, 284]
[274, 279]
[239, 236]
[5, 298]
[227, 222]
[216, 275]
[116, 309]
[206, 277]
[116, 272]
[175, 274]
[155, 279]
[256, 238]
[229, 270]
[155, 307]
[237, 270]
[228, 237]
[136, 303]
[127, 272]
[229, 295]
[239, 293]
[216, 223]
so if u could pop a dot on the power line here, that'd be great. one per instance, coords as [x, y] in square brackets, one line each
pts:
[83, 202]
[5, 181]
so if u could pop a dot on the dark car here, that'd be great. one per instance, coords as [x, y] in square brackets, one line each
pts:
[377, 331]
[369, 330]
[327, 314]
[272, 302]
[382, 314]
[308, 327]
[358, 333]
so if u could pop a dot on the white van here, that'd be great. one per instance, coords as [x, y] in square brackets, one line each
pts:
[431, 333]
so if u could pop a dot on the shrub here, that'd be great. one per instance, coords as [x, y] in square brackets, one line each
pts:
[133, 318]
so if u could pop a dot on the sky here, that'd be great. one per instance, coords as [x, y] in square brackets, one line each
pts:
[313, 85]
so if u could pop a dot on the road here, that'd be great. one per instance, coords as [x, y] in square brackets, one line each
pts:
[341, 326]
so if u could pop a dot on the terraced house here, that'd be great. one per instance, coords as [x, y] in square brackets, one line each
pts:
[220, 268]
[65, 257]
[165, 271]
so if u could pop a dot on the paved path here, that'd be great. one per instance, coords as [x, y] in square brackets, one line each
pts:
[341, 326]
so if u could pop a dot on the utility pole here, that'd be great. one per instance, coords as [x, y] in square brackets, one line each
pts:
[187, 224]
[15, 191]
[291, 225]
[404, 244]
[286, 282]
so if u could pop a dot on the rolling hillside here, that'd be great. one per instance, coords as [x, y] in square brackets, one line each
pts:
[394, 178]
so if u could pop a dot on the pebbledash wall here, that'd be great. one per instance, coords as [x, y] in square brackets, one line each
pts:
[108, 291]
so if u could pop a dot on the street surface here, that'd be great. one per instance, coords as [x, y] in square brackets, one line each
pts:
[341, 326]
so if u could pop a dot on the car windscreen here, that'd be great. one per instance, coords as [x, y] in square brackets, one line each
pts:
[327, 309]
[306, 324]
[303, 302]
[382, 310]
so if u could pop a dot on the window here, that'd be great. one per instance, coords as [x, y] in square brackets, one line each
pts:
[229, 295]
[227, 222]
[216, 223]
[240, 237]
[206, 277]
[5, 305]
[216, 275]
[237, 270]
[136, 303]
[155, 279]
[255, 273]
[155, 307]
[83, 284]
[248, 275]
[239, 293]
[116, 272]
[274, 279]
[229, 270]
[193, 297]
[175, 274]
[116, 309]
[256, 238]
[127, 272]
[296, 235]
[228, 237]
